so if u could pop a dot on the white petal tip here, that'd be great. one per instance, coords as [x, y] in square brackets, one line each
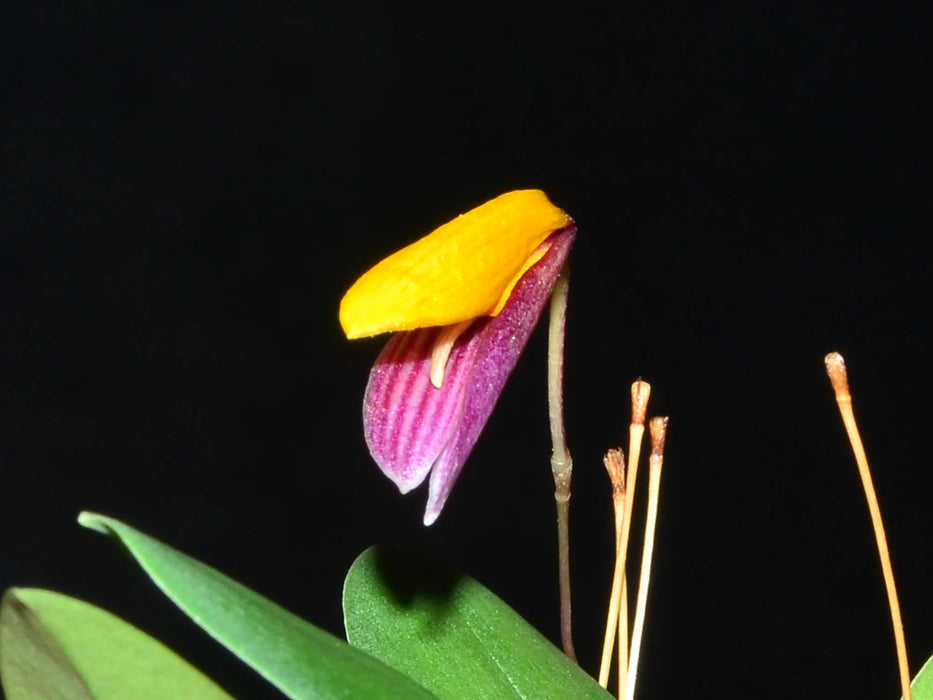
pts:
[407, 485]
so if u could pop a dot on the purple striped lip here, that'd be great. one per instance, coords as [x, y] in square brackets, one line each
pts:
[413, 428]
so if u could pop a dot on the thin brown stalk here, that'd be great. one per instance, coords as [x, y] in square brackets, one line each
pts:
[615, 465]
[641, 391]
[561, 462]
[836, 369]
[640, 394]
[658, 428]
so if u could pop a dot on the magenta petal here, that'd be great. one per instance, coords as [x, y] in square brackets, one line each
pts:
[406, 420]
[410, 426]
[501, 342]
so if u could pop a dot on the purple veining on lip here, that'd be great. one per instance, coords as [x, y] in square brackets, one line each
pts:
[411, 427]
[406, 420]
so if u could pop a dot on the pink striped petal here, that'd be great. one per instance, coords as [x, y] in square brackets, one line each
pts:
[411, 427]
[406, 420]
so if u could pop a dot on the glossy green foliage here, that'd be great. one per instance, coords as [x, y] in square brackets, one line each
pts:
[54, 646]
[451, 634]
[295, 656]
[922, 685]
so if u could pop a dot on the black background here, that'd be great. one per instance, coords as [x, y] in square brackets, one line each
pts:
[186, 193]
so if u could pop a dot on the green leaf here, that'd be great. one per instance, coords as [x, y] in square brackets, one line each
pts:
[922, 684]
[54, 646]
[295, 656]
[451, 634]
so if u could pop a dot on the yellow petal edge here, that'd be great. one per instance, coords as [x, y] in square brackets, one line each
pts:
[462, 270]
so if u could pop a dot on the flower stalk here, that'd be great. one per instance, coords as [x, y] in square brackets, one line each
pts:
[561, 462]
[618, 614]
[614, 461]
[658, 429]
[836, 370]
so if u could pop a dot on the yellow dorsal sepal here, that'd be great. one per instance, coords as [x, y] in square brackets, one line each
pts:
[464, 269]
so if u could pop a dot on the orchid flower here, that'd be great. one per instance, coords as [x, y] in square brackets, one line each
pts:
[461, 302]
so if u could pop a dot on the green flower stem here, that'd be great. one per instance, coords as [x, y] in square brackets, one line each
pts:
[561, 463]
